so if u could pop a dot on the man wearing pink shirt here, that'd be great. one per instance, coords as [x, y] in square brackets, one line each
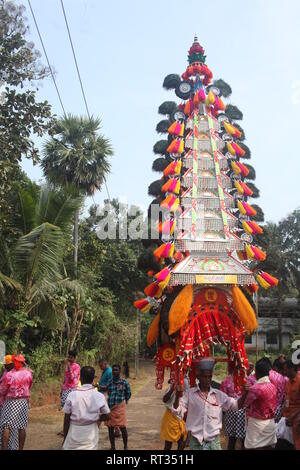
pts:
[71, 377]
[260, 406]
[15, 387]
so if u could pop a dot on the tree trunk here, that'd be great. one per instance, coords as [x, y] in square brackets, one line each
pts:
[76, 224]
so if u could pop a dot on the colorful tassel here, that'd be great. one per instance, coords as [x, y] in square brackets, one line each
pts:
[188, 107]
[172, 128]
[180, 309]
[252, 228]
[196, 99]
[181, 146]
[167, 227]
[202, 96]
[151, 289]
[243, 310]
[231, 149]
[245, 208]
[153, 331]
[249, 252]
[143, 305]
[259, 255]
[265, 280]
[168, 201]
[173, 169]
[162, 275]
[210, 98]
[163, 284]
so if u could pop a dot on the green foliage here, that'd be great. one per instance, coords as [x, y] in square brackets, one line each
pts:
[77, 155]
[21, 116]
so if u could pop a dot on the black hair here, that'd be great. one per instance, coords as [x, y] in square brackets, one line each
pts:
[87, 374]
[262, 367]
[278, 364]
[103, 359]
[116, 365]
[72, 353]
[289, 364]
[267, 360]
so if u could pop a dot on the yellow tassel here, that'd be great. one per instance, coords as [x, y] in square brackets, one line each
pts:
[163, 284]
[178, 167]
[153, 331]
[241, 208]
[249, 252]
[261, 281]
[230, 149]
[229, 128]
[177, 188]
[146, 309]
[181, 130]
[243, 309]
[181, 147]
[211, 98]
[180, 308]
[247, 228]
[175, 205]
[238, 187]
[159, 292]
[171, 252]
[235, 168]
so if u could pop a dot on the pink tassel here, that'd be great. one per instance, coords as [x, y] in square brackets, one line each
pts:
[162, 275]
[202, 96]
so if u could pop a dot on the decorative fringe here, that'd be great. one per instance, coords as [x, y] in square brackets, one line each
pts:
[243, 310]
[161, 276]
[163, 284]
[239, 169]
[189, 107]
[173, 169]
[252, 228]
[178, 256]
[151, 289]
[171, 203]
[255, 253]
[167, 227]
[265, 280]
[245, 208]
[251, 289]
[166, 250]
[143, 305]
[234, 149]
[210, 100]
[180, 309]
[171, 186]
[176, 128]
[232, 130]
[242, 188]
[153, 331]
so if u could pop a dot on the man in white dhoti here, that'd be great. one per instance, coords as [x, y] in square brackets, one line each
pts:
[85, 407]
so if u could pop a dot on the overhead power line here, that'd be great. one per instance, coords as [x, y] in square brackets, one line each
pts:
[75, 59]
[46, 55]
[79, 77]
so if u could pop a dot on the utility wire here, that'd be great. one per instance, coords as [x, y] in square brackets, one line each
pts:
[79, 77]
[50, 68]
[75, 60]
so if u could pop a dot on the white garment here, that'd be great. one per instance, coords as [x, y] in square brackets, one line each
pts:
[283, 431]
[260, 433]
[86, 405]
[204, 414]
[82, 437]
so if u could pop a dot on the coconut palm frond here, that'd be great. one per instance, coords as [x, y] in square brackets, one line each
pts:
[6, 281]
[38, 254]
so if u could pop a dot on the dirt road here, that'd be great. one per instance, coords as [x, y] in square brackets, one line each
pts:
[144, 413]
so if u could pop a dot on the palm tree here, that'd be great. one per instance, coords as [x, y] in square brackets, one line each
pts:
[36, 261]
[78, 157]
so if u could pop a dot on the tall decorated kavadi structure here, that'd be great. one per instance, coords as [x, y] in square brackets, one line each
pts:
[202, 265]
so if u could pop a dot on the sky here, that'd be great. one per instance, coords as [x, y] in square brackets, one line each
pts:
[125, 48]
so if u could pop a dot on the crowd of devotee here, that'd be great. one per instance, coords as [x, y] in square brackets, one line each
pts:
[263, 414]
